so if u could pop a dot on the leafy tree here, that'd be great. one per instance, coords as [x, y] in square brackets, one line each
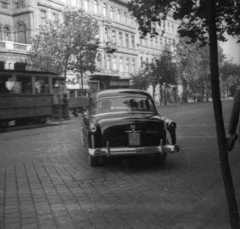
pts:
[140, 80]
[206, 21]
[230, 77]
[161, 71]
[66, 44]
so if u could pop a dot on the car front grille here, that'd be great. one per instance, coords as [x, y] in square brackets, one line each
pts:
[146, 139]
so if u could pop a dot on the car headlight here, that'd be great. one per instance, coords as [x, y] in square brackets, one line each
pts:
[93, 127]
[172, 125]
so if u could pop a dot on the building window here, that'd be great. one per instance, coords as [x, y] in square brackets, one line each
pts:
[86, 5]
[21, 34]
[1, 35]
[54, 16]
[120, 39]
[111, 13]
[104, 10]
[5, 4]
[156, 42]
[114, 63]
[118, 15]
[141, 61]
[126, 40]
[108, 61]
[127, 65]
[133, 42]
[114, 36]
[121, 64]
[7, 34]
[95, 6]
[161, 42]
[73, 3]
[133, 66]
[125, 18]
[106, 34]
[151, 41]
[43, 16]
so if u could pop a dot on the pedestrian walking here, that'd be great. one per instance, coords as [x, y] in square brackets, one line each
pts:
[234, 121]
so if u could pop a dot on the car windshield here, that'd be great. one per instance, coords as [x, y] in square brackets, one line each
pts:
[123, 105]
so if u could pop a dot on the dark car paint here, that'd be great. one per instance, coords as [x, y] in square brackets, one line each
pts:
[121, 121]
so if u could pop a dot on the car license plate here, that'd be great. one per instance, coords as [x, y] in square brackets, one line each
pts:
[134, 139]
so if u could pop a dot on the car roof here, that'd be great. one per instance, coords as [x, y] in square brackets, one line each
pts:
[120, 92]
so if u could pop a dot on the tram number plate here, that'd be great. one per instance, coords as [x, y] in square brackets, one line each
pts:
[134, 139]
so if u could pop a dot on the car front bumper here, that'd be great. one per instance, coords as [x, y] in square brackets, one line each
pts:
[121, 151]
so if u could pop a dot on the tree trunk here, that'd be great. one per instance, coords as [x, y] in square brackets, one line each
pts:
[82, 81]
[222, 145]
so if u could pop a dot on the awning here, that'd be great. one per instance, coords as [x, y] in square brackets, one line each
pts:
[77, 86]
[100, 75]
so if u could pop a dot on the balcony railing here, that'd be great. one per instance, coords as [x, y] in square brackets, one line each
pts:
[11, 45]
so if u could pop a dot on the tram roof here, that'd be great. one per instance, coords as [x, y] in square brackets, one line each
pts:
[29, 72]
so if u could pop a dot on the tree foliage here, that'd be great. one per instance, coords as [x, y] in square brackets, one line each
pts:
[193, 17]
[161, 71]
[69, 43]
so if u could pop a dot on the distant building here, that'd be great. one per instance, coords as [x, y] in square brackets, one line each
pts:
[20, 19]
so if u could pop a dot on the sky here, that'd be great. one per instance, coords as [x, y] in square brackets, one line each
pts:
[231, 49]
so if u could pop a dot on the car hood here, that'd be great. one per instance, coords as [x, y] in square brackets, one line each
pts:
[141, 121]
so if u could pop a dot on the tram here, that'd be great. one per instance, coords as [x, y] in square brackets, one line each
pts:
[97, 82]
[28, 96]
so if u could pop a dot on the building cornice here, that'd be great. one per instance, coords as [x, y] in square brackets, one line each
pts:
[50, 6]
[121, 2]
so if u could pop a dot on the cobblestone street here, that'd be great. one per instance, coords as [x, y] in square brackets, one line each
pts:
[46, 181]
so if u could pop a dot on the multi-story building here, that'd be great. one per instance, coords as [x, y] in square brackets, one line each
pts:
[20, 19]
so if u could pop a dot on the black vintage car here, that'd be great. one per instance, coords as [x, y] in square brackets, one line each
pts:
[126, 122]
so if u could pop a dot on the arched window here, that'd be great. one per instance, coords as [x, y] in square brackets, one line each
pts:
[104, 10]
[118, 15]
[111, 13]
[124, 17]
[6, 34]
[21, 34]
[86, 5]
[95, 6]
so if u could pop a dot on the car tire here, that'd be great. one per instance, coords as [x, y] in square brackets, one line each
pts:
[93, 161]
[160, 157]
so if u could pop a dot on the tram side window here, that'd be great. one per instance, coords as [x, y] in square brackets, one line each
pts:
[6, 84]
[41, 85]
[23, 85]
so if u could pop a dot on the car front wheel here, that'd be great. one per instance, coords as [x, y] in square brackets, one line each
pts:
[93, 161]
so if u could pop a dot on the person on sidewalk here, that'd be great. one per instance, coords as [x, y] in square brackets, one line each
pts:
[234, 121]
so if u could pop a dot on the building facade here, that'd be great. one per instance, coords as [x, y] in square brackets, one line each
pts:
[20, 19]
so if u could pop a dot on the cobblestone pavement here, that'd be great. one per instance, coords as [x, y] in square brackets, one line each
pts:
[46, 181]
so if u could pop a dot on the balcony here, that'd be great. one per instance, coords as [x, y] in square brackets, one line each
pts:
[12, 46]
